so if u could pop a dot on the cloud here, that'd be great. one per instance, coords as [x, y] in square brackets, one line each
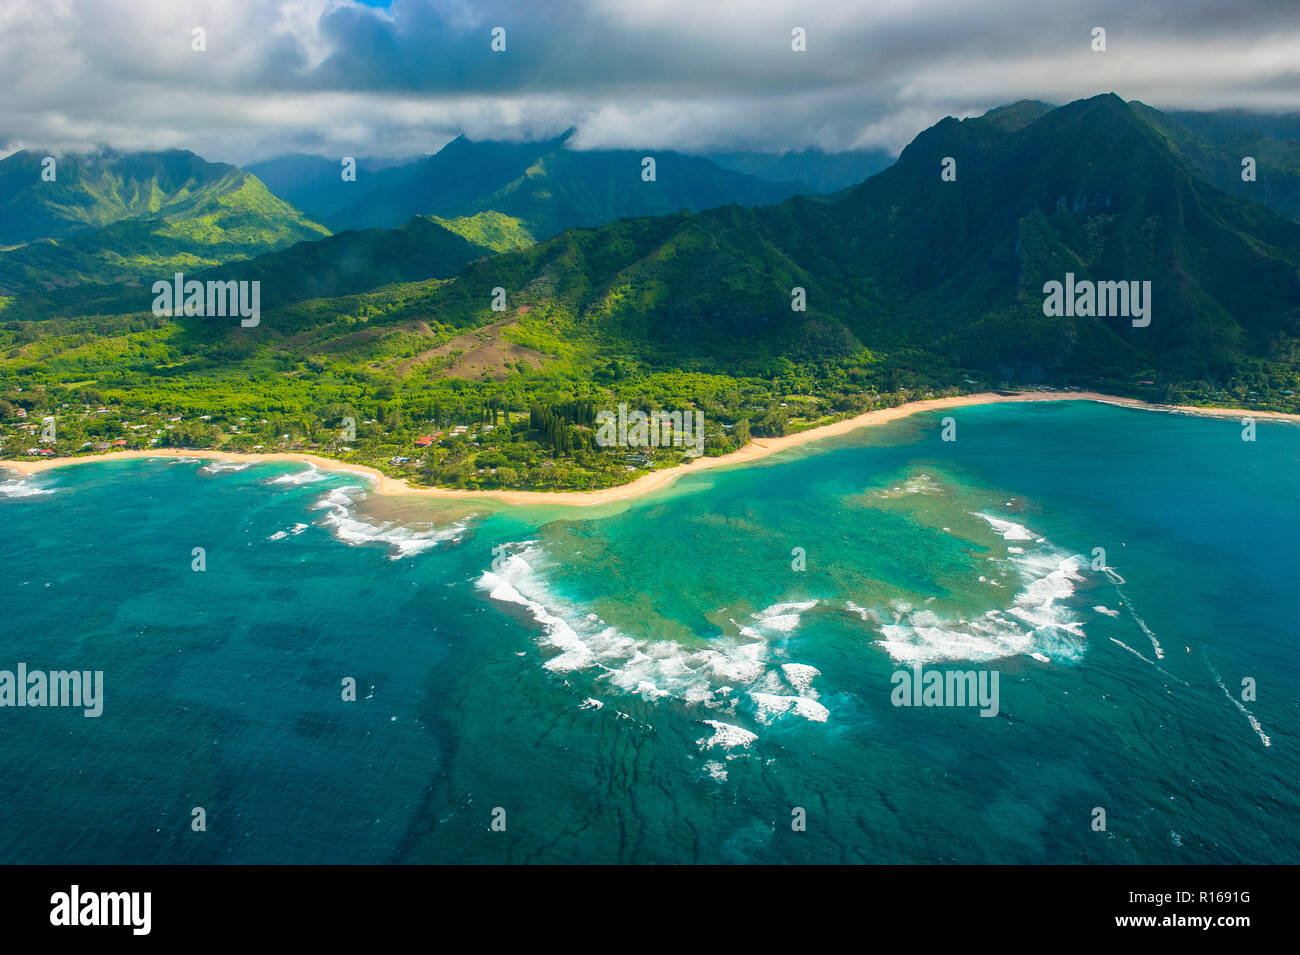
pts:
[340, 77]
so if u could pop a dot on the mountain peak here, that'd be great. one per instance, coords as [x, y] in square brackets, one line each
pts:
[1104, 101]
[1014, 116]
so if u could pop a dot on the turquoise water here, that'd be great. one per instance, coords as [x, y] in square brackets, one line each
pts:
[658, 681]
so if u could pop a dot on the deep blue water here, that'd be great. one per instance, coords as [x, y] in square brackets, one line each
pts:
[656, 681]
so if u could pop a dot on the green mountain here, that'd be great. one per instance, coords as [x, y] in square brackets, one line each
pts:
[1091, 188]
[1016, 116]
[315, 184]
[129, 218]
[550, 187]
[820, 170]
[100, 188]
[495, 231]
[1216, 143]
[342, 264]
[351, 262]
[914, 285]
[906, 262]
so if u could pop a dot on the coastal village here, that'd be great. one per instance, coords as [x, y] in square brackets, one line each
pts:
[476, 454]
[502, 449]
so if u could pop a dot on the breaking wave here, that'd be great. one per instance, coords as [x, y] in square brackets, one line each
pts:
[1041, 620]
[401, 541]
[309, 475]
[723, 675]
[22, 487]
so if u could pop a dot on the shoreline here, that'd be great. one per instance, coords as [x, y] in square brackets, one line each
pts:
[756, 449]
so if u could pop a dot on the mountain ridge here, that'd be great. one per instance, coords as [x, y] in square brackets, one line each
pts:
[112, 218]
[766, 319]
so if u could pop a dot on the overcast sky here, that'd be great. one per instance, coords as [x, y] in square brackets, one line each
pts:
[337, 77]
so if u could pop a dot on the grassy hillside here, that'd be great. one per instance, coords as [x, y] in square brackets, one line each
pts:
[352, 262]
[492, 230]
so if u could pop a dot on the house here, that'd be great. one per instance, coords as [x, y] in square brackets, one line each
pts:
[120, 443]
[425, 441]
[398, 460]
[101, 445]
[21, 412]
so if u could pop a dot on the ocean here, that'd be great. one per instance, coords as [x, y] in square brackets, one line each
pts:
[720, 671]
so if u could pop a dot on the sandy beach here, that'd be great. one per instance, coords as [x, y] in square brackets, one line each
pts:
[757, 448]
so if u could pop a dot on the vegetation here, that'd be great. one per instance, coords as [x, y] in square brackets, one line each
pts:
[152, 215]
[547, 187]
[915, 287]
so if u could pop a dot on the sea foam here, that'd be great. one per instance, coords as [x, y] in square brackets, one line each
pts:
[22, 488]
[400, 540]
[715, 675]
[309, 475]
[1040, 620]
[216, 467]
